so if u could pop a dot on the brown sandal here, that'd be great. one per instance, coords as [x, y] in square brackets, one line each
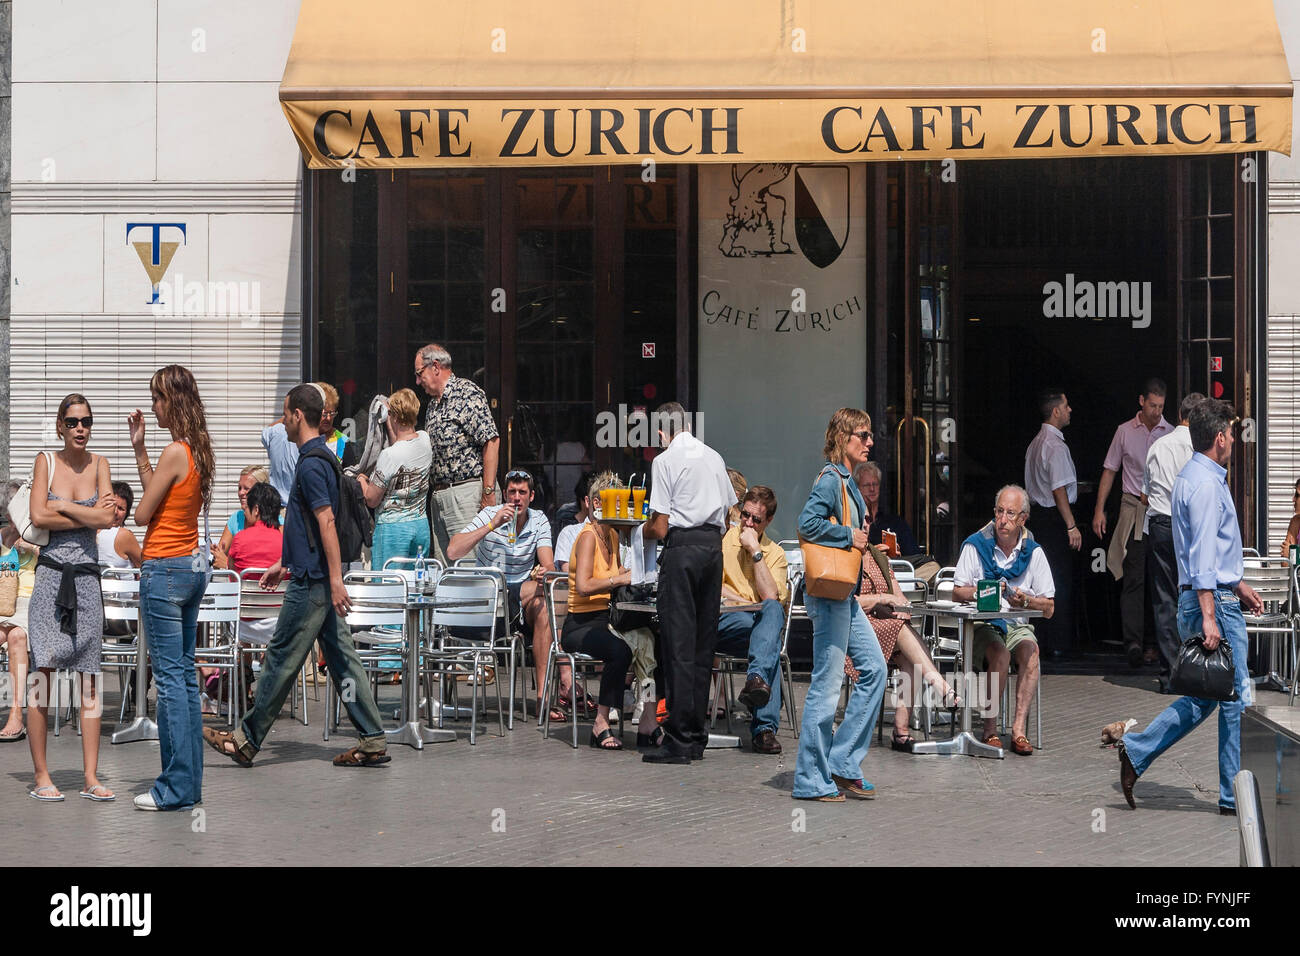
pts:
[217, 740]
[355, 758]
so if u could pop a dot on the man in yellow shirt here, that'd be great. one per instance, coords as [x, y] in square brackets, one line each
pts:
[754, 572]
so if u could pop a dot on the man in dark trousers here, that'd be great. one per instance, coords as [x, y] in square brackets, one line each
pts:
[689, 497]
[315, 603]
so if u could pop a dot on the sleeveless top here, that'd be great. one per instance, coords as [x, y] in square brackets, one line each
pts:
[174, 529]
[106, 542]
[601, 570]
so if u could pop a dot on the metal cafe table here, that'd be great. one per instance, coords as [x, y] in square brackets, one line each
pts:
[964, 743]
[417, 606]
[716, 741]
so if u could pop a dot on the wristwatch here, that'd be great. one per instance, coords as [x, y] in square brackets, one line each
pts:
[757, 556]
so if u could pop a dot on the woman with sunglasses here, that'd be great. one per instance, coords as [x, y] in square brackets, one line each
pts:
[173, 577]
[1292, 529]
[831, 759]
[66, 614]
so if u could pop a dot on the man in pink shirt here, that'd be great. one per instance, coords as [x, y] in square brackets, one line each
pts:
[1126, 557]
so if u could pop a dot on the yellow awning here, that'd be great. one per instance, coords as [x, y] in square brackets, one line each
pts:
[423, 83]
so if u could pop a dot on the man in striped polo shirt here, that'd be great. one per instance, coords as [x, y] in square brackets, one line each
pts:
[516, 539]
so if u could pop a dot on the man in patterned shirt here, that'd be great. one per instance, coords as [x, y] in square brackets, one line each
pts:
[465, 446]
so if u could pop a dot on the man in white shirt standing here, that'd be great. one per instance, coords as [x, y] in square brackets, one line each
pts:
[1165, 459]
[689, 497]
[1126, 556]
[1052, 484]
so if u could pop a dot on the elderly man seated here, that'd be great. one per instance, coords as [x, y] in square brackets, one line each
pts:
[516, 539]
[754, 571]
[1004, 551]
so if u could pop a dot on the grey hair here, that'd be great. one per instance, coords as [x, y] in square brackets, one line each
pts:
[1024, 497]
[862, 469]
[435, 353]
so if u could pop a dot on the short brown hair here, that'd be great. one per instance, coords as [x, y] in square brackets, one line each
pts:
[762, 495]
[403, 407]
[843, 424]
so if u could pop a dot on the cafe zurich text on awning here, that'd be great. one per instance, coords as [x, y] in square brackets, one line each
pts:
[432, 83]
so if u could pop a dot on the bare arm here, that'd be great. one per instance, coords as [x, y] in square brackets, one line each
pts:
[763, 582]
[172, 465]
[1104, 485]
[221, 554]
[373, 493]
[584, 560]
[464, 542]
[656, 528]
[1291, 534]
[126, 545]
[491, 452]
[44, 513]
[334, 564]
[546, 559]
[963, 594]
[1063, 507]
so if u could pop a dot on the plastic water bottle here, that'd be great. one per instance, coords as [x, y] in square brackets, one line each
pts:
[420, 579]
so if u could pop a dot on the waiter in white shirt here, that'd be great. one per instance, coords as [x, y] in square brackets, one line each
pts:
[1052, 483]
[1165, 459]
[689, 497]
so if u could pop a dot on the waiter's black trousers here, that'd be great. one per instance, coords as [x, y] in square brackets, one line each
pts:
[1056, 633]
[1162, 575]
[690, 594]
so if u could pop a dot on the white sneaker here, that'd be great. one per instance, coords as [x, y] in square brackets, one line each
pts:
[144, 801]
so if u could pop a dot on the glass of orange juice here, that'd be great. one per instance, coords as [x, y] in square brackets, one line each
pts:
[638, 504]
[625, 502]
[609, 503]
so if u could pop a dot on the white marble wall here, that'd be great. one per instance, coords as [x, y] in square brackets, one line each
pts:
[152, 111]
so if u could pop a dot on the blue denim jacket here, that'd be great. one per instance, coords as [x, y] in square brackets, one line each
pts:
[825, 500]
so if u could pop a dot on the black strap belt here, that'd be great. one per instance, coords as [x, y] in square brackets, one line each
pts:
[444, 485]
[1217, 587]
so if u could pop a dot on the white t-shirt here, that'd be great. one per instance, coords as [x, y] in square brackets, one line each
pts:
[564, 541]
[403, 472]
[1035, 580]
[690, 484]
[108, 555]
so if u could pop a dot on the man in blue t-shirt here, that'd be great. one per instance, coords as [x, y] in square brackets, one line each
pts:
[315, 604]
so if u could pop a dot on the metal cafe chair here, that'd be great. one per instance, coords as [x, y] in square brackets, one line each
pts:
[516, 650]
[120, 588]
[258, 612]
[727, 665]
[219, 611]
[469, 600]
[406, 568]
[1272, 579]
[557, 607]
[377, 619]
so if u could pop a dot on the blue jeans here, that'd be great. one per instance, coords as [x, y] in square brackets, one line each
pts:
[170, 591]
[1187, 713]
[400, 539]
[758, 635]
[838, 627]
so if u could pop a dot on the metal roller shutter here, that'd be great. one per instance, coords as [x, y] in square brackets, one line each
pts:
[1282, 439]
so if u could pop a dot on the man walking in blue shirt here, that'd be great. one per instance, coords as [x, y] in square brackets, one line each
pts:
[1207, 543]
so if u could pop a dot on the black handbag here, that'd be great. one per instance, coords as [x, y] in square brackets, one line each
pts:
[1205, 674]
[624, 621]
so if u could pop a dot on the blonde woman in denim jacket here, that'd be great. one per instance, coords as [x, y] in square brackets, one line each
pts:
[831, 761]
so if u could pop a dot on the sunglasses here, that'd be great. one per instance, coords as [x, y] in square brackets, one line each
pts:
[864, 435]
[757, 519]
[86, 422]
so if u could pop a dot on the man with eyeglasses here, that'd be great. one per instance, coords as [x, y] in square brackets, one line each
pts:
[1052, 483]
[465, 445]
[754, 572]
[1004, 551]
[1164, 461]
[1211, 598]
[516, 539]
[1126, 556]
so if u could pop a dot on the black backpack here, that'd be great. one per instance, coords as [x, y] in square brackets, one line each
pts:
[352, 519]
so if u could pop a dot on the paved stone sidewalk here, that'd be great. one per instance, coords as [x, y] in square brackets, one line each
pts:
[526, 800]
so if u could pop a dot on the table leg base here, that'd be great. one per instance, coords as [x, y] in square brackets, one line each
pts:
[722, 742]
[963, 745]
[142, 728]
[415, 734]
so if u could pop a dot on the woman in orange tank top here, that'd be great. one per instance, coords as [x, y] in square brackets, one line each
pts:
[173, 578]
